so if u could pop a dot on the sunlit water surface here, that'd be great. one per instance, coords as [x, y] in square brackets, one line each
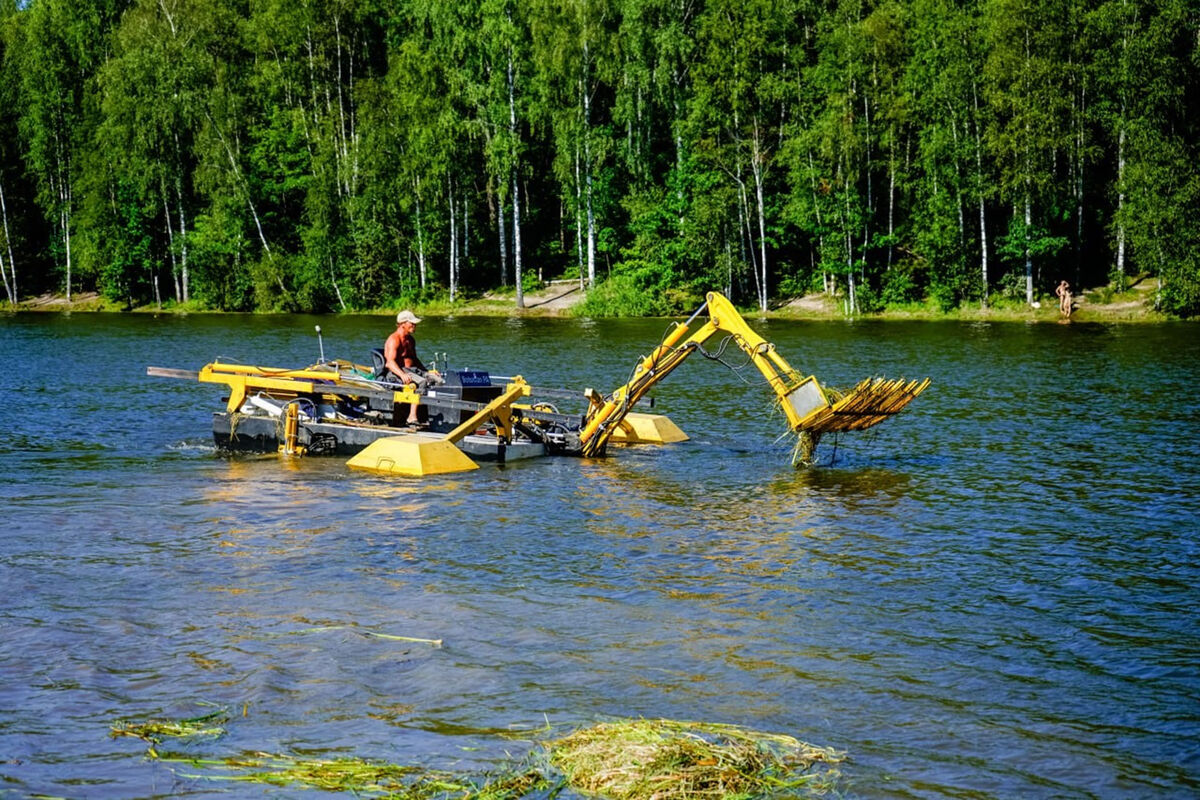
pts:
[993, 595]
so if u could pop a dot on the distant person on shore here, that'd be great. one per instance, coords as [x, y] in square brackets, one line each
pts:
[1064, 298]
[401, 360]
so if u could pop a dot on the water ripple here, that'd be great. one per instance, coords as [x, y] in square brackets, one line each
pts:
[991, 596]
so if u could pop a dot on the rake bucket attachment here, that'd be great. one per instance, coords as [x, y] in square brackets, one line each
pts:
[811, 410]
[869, 403]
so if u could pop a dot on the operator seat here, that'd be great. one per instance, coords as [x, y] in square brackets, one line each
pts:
[381, 373]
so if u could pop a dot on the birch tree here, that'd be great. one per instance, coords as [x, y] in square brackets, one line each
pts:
[739, 110]
[63, 42]
[1025, 85]
[10, 156]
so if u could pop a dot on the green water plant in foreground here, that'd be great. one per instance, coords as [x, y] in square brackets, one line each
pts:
[360, 777]
[620, 760]
[156, 730]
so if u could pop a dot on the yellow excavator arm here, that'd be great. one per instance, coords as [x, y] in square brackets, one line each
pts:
[805, 403]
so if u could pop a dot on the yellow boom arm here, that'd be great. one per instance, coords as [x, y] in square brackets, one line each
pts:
[804, 401]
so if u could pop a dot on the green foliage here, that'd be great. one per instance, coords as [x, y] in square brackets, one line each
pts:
[320, 156]
[125, 259]
[899, 286]
[619, 296]
[1012, 287]
[219, 251]
[530, 282]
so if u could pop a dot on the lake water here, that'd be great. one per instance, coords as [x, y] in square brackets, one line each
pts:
[993, 595]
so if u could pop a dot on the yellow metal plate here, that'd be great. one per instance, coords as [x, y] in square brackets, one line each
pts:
[414, 454]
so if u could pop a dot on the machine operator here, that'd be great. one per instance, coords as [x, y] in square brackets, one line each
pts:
[400, 357]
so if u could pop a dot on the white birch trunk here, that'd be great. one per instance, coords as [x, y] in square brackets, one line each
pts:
[1121, 202]
[891, 204]
[983, 243]
[1028, 252]
[65, 218]
[579, 224]
[762, 229]
[8, 292]
[184, 278]
[420, 243]
[517, 277]
[170, 248]
[591, 235]
[587, 172]
[10, 279]
[62, 185]
[336, 289]
[453, 243]
[747, 234]
[851, 294]
[983, 249]
[512, 126]
[502, 231]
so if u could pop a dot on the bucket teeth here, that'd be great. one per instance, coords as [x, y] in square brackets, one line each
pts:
[869, 403]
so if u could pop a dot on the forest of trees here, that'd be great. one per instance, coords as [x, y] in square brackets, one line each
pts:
[321, 155]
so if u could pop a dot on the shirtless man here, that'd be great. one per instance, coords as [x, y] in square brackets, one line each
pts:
[400, 357]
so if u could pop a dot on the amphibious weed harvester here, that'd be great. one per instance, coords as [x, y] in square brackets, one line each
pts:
[342, 408]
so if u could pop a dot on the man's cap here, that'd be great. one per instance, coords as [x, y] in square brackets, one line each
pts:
[407, 316]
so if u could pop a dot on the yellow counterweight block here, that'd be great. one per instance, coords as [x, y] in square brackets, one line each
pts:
[637, 428]
[419, 454]
[412, 454]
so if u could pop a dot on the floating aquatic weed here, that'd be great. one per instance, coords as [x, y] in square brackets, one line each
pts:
[155, 730]
[671, 760]
[362, 777]
[340, 774]
[620, 760]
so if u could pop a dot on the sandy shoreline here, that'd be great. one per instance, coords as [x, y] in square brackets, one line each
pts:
[559, 298]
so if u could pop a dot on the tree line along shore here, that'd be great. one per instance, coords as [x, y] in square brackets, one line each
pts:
[807, 158]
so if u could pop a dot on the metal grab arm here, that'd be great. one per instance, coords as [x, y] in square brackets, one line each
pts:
[803, 400]
[783, 379]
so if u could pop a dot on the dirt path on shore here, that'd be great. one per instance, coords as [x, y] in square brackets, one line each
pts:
[54, 302]
[556, 297]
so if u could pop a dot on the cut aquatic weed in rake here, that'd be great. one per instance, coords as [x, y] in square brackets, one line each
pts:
[865, 405]
[671, 760]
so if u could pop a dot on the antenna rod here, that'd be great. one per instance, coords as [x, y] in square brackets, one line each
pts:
[321, 345]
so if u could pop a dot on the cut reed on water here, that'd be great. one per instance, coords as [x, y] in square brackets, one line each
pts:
[156, 730]
[362, 777]
[673, 760]
[621, 760]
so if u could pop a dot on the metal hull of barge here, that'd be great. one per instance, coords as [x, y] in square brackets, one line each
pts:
[256, 434]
